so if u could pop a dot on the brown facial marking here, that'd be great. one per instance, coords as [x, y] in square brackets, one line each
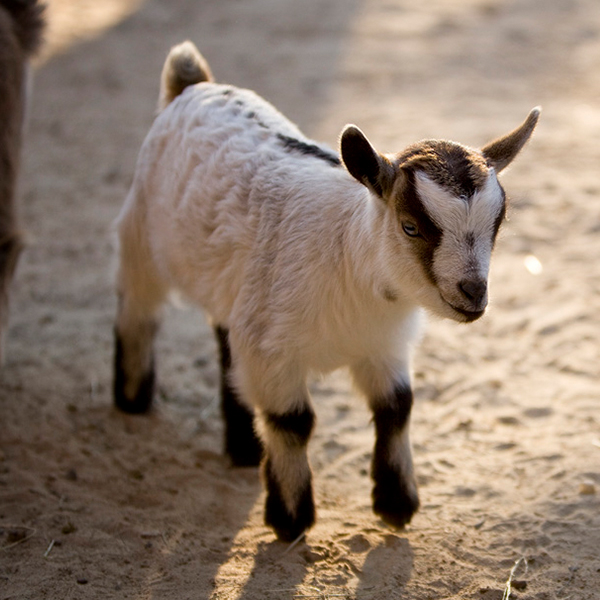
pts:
[458, 169]
[410, 208]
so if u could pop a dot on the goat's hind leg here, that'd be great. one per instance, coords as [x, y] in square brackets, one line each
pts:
[141, 295]
[134, 370]
[241, 442]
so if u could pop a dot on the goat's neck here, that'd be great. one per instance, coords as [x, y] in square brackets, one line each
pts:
[366, 247]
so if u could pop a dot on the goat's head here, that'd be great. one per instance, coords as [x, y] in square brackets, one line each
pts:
[445, 206]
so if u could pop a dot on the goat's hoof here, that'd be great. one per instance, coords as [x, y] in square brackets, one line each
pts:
[287, 526]
[395, 507]
[142, 400]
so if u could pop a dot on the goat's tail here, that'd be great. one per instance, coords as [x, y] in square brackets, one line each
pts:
[28, 22]
[184, 66]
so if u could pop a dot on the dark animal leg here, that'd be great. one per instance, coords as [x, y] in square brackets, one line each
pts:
[241, 442]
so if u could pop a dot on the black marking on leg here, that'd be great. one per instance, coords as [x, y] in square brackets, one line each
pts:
[142, 400]
[296, 425]
[395, 498]
[391, 413]
[287, 526]
[296, 145]
[241, 442]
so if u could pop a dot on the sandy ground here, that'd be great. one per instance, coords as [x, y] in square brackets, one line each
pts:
[506, 427]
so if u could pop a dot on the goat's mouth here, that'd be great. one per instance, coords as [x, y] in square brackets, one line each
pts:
[466, 316]
[469, 315]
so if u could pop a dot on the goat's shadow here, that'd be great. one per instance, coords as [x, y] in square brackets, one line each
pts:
[386, 571]
[286, 572]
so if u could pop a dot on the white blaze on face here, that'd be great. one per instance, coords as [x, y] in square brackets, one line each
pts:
[468, 228]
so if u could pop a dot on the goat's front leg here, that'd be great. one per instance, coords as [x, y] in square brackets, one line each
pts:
[289, 507]
[285, 420]
[395, 496]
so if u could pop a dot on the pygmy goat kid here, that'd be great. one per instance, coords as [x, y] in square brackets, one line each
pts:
[304, 263]
[21, 25]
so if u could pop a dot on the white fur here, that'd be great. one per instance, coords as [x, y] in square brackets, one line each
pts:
[286, 251]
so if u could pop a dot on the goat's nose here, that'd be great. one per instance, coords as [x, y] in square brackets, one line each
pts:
[474, 290]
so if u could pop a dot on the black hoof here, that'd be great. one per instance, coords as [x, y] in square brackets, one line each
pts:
[142, 400]
[395, 511]
[287, 527]
[393, 500]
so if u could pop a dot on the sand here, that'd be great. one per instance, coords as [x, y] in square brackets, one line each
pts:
[506, 425]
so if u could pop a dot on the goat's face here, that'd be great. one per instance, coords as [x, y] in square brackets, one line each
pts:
[446, 206]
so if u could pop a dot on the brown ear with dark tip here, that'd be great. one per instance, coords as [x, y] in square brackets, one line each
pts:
[501, 152]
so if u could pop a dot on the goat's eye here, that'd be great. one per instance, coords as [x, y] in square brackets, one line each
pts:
[410, 229]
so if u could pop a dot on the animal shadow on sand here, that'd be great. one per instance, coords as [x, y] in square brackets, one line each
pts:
[386, 569]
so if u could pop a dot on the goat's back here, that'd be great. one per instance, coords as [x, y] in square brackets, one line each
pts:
[224, 180]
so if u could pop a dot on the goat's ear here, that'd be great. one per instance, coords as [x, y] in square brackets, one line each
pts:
[364, 163]
[502, 151]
